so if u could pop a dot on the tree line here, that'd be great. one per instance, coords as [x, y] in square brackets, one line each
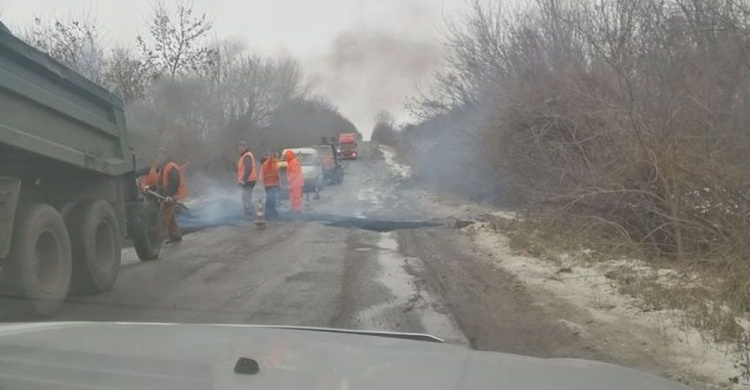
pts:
[630, 116]
[196, 95]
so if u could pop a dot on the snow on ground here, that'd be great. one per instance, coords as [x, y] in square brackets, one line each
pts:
[584, 285]
[389, 155]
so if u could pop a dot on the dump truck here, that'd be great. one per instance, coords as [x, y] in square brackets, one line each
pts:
[348, 145]
[68, 196]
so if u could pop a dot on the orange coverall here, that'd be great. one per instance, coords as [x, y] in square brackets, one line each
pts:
[176, 191]
[295, 179]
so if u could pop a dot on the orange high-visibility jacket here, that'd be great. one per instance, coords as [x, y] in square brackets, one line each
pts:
[293, 171]
[181, 191]
[270, 170]
[241, 168]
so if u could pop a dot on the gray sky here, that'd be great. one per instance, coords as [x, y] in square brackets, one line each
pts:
[365, 55]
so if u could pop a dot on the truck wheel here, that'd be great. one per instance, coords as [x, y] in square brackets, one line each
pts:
[97, 248]
[36, 276]
[144, 229]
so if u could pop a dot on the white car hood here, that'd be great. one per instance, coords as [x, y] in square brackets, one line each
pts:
[166, 356]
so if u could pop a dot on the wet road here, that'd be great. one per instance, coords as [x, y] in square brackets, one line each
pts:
[337, 268]
[324, 270]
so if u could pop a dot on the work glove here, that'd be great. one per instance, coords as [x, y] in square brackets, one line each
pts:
[169, 199]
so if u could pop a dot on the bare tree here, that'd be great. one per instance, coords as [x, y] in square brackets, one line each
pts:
[627, 113]
[304, 121]
[385, 118]
[384, 131]
[477, 44]
[74, 42]
[174, 45]
[128, 73]
[206, 113]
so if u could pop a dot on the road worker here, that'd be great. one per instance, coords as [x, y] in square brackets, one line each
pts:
[246, 177]
[148, 177]
[271, 182]
[295, 180]
[170, 185]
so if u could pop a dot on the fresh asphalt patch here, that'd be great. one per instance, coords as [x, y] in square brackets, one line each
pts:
[382, 226]
[222, 212]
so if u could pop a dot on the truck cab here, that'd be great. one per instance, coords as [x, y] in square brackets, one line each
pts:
[348, 146]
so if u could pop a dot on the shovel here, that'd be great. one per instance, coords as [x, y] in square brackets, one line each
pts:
[164, 199]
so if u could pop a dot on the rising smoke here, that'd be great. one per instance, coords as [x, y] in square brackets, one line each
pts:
[373, 68]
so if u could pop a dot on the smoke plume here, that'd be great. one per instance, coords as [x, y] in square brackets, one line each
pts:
[369, 69]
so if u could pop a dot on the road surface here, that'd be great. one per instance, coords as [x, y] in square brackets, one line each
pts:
[341, 267]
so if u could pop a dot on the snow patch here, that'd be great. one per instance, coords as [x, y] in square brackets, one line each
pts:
[587, 287]
[399, 170]
[504, 215]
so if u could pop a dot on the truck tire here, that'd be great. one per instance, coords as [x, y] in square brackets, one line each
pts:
[144, 229]
[36, 275]
[97, 247]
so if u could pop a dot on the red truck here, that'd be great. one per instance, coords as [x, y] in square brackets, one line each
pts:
[348, 146]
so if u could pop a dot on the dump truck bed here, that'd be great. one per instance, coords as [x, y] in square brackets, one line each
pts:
[48, 110]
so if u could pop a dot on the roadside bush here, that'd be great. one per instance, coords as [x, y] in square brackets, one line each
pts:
[631, 113]
[620, 125]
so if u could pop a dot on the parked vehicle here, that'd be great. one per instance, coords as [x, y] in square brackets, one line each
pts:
[333, 170]
[348, 146]
[312, 170]
[67, 187]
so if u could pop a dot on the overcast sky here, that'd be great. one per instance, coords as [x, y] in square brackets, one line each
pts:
[365, 55]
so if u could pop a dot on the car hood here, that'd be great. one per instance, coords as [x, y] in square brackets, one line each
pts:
[180, 356]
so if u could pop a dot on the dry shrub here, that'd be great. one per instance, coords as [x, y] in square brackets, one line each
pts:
[630, 114]
[542, 231]
[612, 121]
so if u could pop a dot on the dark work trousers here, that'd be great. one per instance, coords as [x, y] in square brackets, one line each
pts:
[169, 221]
[271, 193]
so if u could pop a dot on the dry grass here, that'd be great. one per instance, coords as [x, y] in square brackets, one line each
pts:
[710, 296]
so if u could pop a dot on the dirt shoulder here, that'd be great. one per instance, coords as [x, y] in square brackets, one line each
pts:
[575, 308]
